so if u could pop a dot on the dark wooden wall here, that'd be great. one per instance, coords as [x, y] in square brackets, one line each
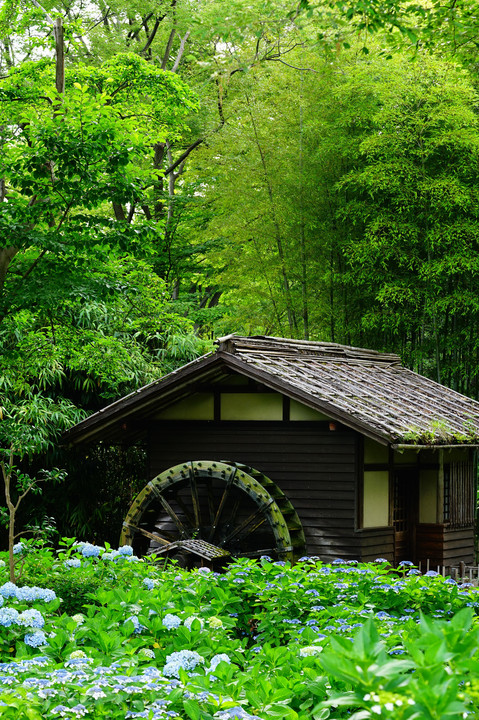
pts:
[315, 467]
[377, 543]
[442, 545]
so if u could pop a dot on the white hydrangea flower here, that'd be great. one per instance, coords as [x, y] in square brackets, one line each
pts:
[215, 623]
[311, 650]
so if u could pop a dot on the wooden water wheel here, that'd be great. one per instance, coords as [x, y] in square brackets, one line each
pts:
[214, 509]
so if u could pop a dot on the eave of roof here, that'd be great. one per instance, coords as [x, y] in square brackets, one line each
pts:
[365, 390]
[95, 426]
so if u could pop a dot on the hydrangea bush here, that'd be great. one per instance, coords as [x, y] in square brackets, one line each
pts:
[262, 640]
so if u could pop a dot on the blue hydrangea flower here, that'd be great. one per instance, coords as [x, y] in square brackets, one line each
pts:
[112, 555]
[18, 548]
[185, 659]
[137, 624]
[125, 550]
[8, 590]
[76, 711]
[149, 583]
[171, 621]
[26, 593]
[235, 713]
[73, 562]
[89, 550]
[31, 618]
[79, 710]
[9, 616]
[30, 594]
[35, 639]
[215, 661]
[60, 710]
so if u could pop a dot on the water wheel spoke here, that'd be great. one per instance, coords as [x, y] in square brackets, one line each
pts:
[221, 506]
[233, 512]
[149, 535]
[186, 511]
[167, 535]
[211, 503]
[194, 496]
[169, 511]
[258, 517]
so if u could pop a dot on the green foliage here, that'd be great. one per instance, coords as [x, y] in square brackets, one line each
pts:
[151, 633]
[409, 215]
[83, 318]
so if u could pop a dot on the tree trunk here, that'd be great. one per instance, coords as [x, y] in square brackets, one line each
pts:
[60, 56]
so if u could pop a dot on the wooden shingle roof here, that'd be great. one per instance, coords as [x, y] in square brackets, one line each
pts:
[363, 389]
[368, 387]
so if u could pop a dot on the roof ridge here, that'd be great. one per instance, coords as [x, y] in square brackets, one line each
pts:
[289, 346]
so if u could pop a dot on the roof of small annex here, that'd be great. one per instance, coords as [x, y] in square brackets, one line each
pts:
[366, 390]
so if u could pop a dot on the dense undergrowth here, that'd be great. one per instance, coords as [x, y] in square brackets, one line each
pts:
[96, 633]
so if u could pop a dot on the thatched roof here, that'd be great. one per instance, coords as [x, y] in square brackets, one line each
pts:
[363, 389]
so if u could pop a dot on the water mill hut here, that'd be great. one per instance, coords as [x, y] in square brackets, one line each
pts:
[288, 447]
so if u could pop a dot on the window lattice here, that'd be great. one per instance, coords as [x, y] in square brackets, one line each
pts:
[459, 501]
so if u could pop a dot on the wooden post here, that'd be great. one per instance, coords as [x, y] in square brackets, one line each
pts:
[59, 56]
[440, 489]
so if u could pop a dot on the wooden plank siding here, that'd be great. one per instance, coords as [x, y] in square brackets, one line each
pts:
[316, 468]
[459, 546]
[442, 545]
[377, 543]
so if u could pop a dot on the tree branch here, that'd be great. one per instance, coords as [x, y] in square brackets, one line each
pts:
[133, 35]
[184, 155]
[34, 264]
[277, 59]
[169, 45]
[152, 35]
[119, 212]
[47, 16]
[180, 52]
[131, 213]
[103, 20]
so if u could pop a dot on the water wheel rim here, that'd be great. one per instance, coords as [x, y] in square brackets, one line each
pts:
[244, 479]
